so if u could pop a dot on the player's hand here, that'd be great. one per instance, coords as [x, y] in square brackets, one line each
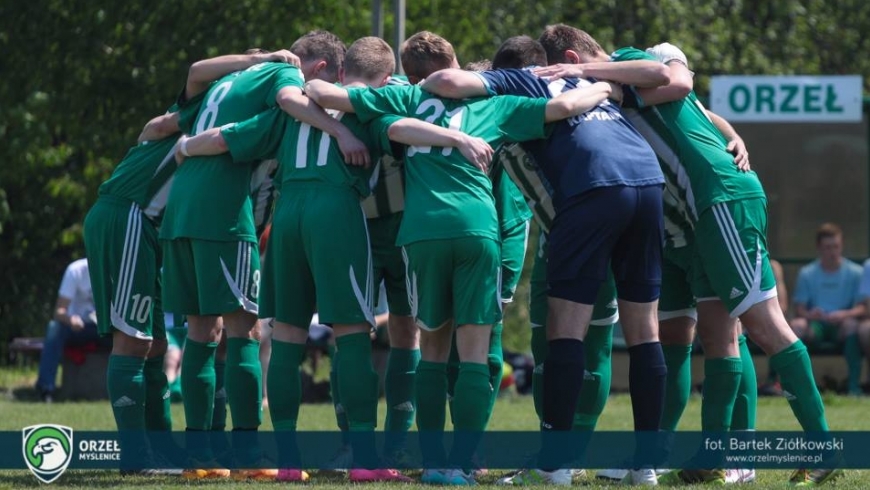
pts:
[284, 56]
[616, 93]
[477, 151]
[737, 148]
[76, 324]
[353, 150]
[179, 155]
[560, 70]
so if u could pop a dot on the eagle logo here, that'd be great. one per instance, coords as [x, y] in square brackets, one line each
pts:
[47, 450]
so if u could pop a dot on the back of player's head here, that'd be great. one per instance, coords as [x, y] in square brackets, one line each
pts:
[424, 53]
[369, 58]
[559, 38]
[319, 46]
[479, 65]
[519, 52]
[256, 51]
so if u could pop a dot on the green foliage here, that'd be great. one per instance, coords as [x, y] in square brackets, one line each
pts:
[82, 77]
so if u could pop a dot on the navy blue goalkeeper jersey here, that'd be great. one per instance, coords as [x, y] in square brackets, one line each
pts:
[599, 148]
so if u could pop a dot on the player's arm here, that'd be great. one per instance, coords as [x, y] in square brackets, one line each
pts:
[254, 139]
[736, 145]
[454, 83]
[305, 109]
[328, 95]
[680, 86]
[414, 132]
[207, 143]
[638, 73]
[579, 100]
[160, 127]
[203, 72]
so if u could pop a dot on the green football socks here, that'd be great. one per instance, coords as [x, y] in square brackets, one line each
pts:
[678, 384]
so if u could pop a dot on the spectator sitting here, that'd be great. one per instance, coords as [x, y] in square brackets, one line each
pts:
[74, 323]
[827, 302]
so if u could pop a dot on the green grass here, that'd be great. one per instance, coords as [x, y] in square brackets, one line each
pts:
[511, 413]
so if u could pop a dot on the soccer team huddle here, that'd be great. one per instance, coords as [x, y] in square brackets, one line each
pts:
[648, 210]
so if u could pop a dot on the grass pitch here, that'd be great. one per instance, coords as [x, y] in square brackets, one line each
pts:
[511, 413]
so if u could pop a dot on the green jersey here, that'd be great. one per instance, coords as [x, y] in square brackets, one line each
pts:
[307, 157]
[211, 197]
[446, 196]
[698, 169]
[146, 172]
[510, 205]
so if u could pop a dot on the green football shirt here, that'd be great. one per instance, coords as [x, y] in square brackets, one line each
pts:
[211, 196]
[307, 156]
[445, 195]
[691, 150]
[146, 172]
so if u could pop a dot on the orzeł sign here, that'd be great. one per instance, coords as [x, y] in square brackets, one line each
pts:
[787, 98]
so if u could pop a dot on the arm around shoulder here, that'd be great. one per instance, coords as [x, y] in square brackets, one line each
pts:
[577, 101]
[454, 83]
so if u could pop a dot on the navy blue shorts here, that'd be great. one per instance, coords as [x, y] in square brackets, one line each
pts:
[618, 227]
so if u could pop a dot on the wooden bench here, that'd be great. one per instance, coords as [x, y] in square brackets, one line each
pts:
[85, 381]
[829, 365]
[25, 351]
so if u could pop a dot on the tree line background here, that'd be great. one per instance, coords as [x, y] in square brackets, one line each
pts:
[81, 77]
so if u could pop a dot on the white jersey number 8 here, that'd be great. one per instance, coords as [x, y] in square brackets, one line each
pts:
[209, 115]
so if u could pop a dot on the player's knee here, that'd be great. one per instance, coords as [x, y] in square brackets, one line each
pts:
[404, 333]
[158, 348]
[125, 345]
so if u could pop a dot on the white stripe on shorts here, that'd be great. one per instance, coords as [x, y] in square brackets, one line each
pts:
[244, 302]
[128, 259]
[733, 244]
[365, 299]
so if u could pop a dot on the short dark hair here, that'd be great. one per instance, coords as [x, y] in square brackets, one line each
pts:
[559, 38]
[256, 51]
[424, 53]
[369, 57]
[828, 230]
[519, 52]
[321, 45]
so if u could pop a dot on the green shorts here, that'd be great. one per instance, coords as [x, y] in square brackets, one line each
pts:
[318, 259]
[605, 311]
[387, 263]
[676, 299]
[731, 261]
[124, 265]
[205, 277]
[456, 278]
[513, 253]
